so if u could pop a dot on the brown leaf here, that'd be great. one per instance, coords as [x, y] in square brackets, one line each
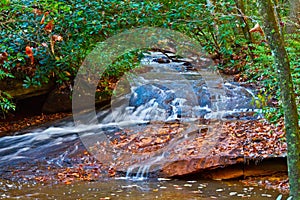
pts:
[37, 11]
[53, 39]
[57, 38]
[68, 182]
[3, 57]
[44, 44]
[52, 43]
[43, 20]
[44, 17]
[49, 27]
[258, 29]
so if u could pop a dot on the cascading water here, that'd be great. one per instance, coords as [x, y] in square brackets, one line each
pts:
[169, 92]
[161, 106]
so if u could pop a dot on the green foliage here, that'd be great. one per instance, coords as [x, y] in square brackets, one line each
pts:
[123, 64]
[5, 103]
[293, 49]
[113, 72]
[82, 24]
[262, 70]
[4, 3]
[218, 27]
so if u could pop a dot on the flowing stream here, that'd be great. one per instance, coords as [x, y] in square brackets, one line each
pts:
[145, 99]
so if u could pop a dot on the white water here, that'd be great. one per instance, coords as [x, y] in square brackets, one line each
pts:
[219, 108]
[54, 144]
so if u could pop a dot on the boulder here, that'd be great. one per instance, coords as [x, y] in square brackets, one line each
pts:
[59, 100]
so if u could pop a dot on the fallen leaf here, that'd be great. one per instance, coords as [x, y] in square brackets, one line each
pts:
[43, 20]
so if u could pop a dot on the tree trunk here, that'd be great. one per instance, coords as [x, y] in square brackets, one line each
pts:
[277, 15]
[242, 11]
[243, 19]
[282, 65]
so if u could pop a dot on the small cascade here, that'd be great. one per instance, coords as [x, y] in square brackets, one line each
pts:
[162, 95]
[140, 175]
[159, 104]
[141, 170]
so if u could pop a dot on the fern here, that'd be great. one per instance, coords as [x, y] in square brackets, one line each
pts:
[4, 74]
[6, 103]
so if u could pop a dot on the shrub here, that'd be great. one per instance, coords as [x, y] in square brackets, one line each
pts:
[59, 34]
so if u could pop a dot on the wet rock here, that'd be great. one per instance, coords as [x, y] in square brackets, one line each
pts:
[209, 154]
[202, 94]
[224, 167]
[171, 55]
[58, 101]
[157, 57]
[162, 60]
[197, 165]
[16, 89]
[150, 94]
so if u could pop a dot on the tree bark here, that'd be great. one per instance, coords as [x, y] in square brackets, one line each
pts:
[243, 19]
[282, 65]
[242, 11]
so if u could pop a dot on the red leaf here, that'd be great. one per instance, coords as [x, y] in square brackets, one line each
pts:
[49, 27]
[29, 53]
